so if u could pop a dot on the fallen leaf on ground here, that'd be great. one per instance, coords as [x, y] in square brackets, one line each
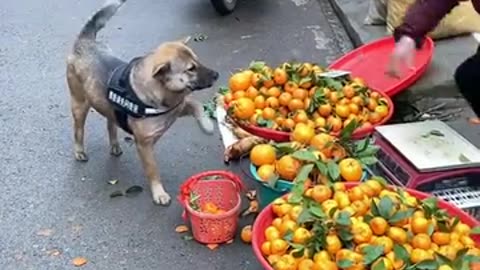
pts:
[474, 120]
[113, 181]
[54, 252]
[187, 237]
[133, 191]
[79, 261]
[181, 229]
[212, 246]
[117, 193]
[229, 242]
[45, 232]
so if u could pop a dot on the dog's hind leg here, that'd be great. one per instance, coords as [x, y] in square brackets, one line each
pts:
[80, 107]
[115, 149]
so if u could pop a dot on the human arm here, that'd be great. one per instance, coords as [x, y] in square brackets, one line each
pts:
[423, 17]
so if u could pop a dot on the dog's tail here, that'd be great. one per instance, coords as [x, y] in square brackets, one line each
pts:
[99, 19]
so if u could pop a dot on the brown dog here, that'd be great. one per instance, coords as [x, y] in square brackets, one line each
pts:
[158, 83]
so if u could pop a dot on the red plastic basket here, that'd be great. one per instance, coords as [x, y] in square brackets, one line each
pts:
[282, 136]
[224, 192]
[266, 217]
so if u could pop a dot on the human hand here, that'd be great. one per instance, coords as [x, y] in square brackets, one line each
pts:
[403, 54]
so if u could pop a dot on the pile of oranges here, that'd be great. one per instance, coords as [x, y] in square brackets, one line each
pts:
[367, 226]
[294, 94]
[322, 148]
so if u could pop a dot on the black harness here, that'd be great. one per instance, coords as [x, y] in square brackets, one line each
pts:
[124, 100]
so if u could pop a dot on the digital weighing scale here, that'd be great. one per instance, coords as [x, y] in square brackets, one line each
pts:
[431, 157]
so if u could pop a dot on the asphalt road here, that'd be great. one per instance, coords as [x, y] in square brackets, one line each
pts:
[53, 208]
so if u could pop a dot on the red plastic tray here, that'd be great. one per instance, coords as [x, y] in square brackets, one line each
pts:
[282, 136]
[370, 63]
[266, 217]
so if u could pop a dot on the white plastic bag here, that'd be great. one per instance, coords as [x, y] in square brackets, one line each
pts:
[377, 13]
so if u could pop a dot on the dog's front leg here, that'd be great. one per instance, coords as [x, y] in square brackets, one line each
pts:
[147, 157]
[195, 109]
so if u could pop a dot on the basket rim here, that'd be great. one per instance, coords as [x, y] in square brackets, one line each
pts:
[228, 213]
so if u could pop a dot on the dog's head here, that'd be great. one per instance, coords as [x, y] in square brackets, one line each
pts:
[177, 68]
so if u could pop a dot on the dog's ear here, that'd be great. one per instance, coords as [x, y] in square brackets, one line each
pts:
[160, 69]
[185, 40]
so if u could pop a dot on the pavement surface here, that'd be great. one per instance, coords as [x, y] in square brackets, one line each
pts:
[53, 208]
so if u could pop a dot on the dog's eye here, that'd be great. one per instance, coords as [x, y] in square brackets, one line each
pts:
[192, 68]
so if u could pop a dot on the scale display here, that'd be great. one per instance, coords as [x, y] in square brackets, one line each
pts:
[407, 159]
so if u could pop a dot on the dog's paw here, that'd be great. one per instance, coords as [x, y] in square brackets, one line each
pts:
[206, 124]
[116, 150]
[160, 196]
[81, 156]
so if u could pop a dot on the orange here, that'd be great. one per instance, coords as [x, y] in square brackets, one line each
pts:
[342, 110]
[335, 123]
[279, 120]
[239, 94]
[307, 101]
[210, 208]
[462, 229]
[274, 91]
[350, 169]
[228, 97]
[325, 265]
[295, 212]
[398, 235]
[320, 122]
[397, 263]
[356, 194]
[361, 233]
[280, 76]
[421, 241]
[388, 265]
[321, 193]
[372, 104]
[357, 100]
[375, 186]
[290, 87]
[360, 208]
[441, 238]
[246, 234]
[273, 259]
[302, 133]
[251, 92]
[287, 167]
[284, 98]
[447, 267]
[344, 101]
[379, 225]
[322, 142]
[467, 241]
[272, 102]
[288, 124]
[305, 69]
[259, 102]
[348, 91]
[300, 93]
[279, 246]
[341, 197]
[268, 113]
[300, 117]
[382, 110]
[243, 108]
[333, 244]
[283, 111]
[321, 256]
[375, 95]
[269, 82]
[301, 235]
[266, 172]
[287, 225]
[262, 154]
[272, 233]
[354, 108]
[333, 97]
[305, 264]
[325, 110]
[328, 205]
[240, 81]
[256, 79]
[419, 255]
[385, 242]
[419, 225]
[374, 118]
